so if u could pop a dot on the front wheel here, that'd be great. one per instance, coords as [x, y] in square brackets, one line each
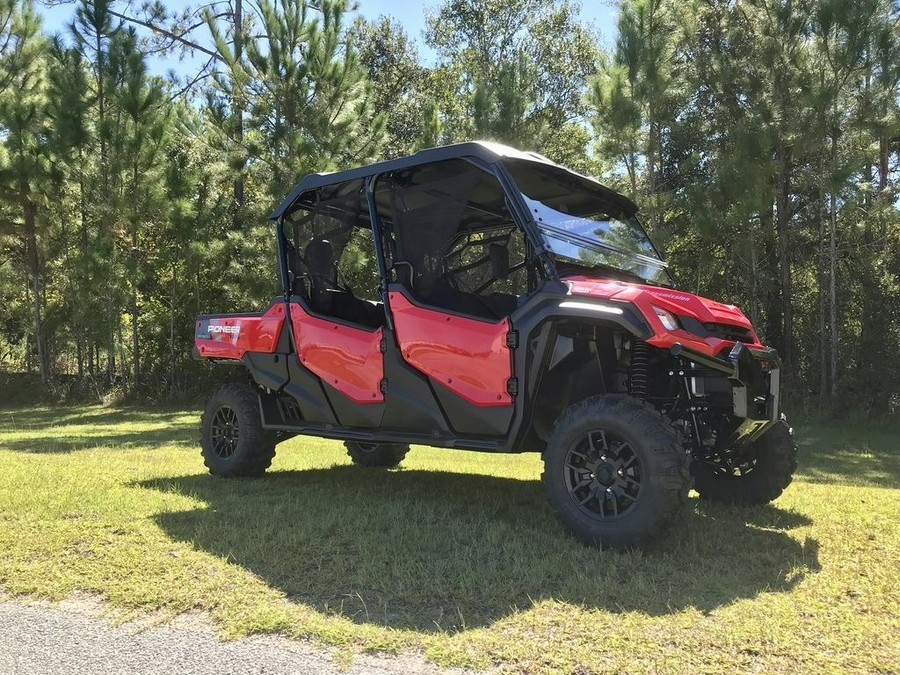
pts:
[232, 438]
[769, 468]
[615, 471]
[384, 455]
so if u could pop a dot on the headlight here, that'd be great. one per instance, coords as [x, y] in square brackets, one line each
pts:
[667, 319]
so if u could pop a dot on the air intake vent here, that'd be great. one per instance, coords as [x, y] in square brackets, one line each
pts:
[289, 410]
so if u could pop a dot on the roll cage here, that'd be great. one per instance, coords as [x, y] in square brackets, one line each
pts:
[489, 158]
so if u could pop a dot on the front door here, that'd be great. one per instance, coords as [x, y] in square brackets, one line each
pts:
[468, 357]
[457, 269]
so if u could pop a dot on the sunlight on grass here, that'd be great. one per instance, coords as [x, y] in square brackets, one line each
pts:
[455, 554]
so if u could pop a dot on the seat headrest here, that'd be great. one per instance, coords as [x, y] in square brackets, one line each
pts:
[319, 255]
[499, 255]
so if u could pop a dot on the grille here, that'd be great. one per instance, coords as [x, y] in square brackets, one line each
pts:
[725, 331]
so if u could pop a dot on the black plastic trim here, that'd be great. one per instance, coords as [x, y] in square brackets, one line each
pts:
[536, 320]
[300, 300]
[268, 370]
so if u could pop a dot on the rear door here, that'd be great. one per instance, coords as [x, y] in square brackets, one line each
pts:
[337, 319]
[346, 357]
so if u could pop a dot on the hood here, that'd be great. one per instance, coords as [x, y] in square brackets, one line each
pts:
[677, 302]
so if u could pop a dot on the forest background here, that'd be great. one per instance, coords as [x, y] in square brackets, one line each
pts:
[142, 146]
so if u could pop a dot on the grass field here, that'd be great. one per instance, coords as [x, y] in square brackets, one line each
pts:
[456, 555]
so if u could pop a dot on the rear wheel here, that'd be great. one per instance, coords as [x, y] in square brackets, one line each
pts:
[232, 438]
[765, 469]
[386, 455]
[615, 471]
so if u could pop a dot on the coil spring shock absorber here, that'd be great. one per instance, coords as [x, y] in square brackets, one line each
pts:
[639, 369]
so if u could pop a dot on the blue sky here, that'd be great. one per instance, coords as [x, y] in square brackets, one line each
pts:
[601, 14]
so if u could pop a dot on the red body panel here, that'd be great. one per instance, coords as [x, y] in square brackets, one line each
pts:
[230, 337]
[467, 356]
[645, 298]
[347, 358]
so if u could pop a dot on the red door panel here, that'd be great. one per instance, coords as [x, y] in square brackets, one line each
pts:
[467, 356]
[232, 336]
[347, 358]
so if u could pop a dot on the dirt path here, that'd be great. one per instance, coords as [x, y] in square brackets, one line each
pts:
[74, 639]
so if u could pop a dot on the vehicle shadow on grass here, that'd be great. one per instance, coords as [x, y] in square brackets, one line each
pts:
[63, 430]
[433, 551]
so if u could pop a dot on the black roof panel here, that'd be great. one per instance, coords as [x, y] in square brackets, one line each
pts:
[483, 150]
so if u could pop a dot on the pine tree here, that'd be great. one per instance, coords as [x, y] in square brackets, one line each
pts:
[92, 30]
[68, 110]
[137, 142]
[25, 173]
[308, 100]
[514, 71]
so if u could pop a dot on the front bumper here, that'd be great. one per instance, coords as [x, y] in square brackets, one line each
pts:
[756, 383]
[755, 377]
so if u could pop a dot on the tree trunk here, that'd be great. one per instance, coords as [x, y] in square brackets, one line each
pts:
[81, 333]
[782, 222]
[771, 294]
[172, 302]
[651, 175]
[832, 290]
[34, 272]
[754, 280]
[238, 111]
[820, 279]
[120, 345]
[135, 338]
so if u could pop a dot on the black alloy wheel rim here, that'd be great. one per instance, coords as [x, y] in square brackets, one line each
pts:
[726, 462]
[729, 464]
[225, 432]
[728, 468]
[603, 474]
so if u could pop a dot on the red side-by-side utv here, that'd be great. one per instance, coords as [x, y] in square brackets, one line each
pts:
[481, 298]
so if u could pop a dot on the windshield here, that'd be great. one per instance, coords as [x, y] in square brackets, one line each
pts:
[584, 223]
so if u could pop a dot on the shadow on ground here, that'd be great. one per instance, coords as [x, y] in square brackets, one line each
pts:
[446, 551]
[61, 430]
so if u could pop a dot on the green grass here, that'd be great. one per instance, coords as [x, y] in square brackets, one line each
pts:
[456, 555]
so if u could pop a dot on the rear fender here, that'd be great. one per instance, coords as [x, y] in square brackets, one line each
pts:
[229, 337]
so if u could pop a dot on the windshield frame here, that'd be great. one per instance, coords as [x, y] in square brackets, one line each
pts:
[546, 233]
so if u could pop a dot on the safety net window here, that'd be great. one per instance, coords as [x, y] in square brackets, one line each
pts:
[332, 253]
[453, 241]
[488, 261]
